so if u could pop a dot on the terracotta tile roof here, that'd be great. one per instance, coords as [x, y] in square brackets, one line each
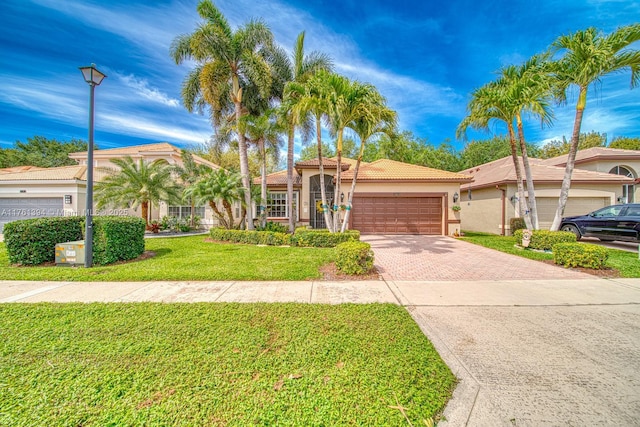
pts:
[47, 174]
[502, 171]
[595, 153]
[279, 178]
[327, 162]
[391, 170]
[19, 169]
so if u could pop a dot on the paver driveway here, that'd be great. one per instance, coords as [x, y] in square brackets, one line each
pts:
[445, 258]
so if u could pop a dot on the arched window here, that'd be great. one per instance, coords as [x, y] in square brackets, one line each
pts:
[627, 189]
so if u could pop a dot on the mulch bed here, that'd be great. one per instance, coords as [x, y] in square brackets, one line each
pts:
[330, 272]
[605, 273]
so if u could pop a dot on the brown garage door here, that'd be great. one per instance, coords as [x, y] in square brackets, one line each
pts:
[397, 215]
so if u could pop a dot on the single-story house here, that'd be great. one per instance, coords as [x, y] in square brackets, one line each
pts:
[602, 177]
[31, 192]
[390, 197]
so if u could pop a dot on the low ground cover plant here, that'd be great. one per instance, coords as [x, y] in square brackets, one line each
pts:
[217, 364]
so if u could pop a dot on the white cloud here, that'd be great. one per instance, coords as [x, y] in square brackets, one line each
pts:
[145, 128]
[141, 86]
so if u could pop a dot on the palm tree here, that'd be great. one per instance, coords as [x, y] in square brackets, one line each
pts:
[228, 64]
[491, 102]
[529, 89]
[264, 131]
[347, 101]
[311, 98]
[298, 70]
[222, 186]
[137, 184]
[378, 119]
[188, 174]
[589, 56]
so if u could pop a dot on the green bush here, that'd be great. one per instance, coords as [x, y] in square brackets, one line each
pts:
[516, 224]
[274, 226]
[33, 241]
[250, 237]
[117, 238]
[544, 239]
[580, 255]
[322, 238]
[354, 257]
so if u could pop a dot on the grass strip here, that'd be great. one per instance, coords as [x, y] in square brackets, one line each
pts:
[216, 364]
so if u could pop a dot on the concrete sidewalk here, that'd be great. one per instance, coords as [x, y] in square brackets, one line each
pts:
[526, 352]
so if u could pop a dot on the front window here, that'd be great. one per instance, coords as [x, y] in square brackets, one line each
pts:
[185, 211]
[628, 190]
[277, 204]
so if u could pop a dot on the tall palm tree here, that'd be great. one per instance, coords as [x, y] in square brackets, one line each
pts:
[347, 101]
[492, 102]
[188, 173]
[588, 56]
[228, 64]
[298, 70]
[311, 98]
[137, 184]
[529, 89]
[265, 132]
[378, 119]
[218, 186]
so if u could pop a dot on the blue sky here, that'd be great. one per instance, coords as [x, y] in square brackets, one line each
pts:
[425, 56]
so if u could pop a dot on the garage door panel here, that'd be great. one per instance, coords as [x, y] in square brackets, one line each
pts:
[13, 209]
[397, 215]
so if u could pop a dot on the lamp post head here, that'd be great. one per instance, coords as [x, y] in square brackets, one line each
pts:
[92, 75]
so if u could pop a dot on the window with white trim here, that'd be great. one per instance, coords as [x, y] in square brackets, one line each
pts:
[277, 204]
[185, 211]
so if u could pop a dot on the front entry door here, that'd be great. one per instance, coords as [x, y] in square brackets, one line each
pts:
[315, 198]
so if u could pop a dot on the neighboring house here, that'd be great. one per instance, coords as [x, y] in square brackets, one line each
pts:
[31, 192]
[390, 197]
[602, 177]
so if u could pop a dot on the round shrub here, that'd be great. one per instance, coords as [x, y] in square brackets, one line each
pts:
[354, 257]
[580, 255]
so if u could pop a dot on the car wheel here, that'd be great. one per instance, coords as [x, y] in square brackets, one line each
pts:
[572, 229]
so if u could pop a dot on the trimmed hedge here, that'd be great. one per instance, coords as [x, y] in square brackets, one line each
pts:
[251, 237]
[117, 238]
[516, 224]
[580, 255]
[322, 238]
[33, 241]
[544, 239]
[354, 257]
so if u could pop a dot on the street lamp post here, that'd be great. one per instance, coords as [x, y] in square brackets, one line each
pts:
[93, 77]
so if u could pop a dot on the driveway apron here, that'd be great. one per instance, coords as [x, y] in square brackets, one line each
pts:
[446, 258]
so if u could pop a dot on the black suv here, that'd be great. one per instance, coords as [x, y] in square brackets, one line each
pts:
[617, 222]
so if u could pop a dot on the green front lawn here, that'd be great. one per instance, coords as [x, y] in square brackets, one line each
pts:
[627, 263]
[216, 365]
[189, 258]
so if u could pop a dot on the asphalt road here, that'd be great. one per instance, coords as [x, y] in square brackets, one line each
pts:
[623, 246]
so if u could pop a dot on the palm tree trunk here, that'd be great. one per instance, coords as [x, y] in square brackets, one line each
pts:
[571, 160]
[345, 221]
[228, 210]
[323, 193]
[144, 207]
[531, 192]
[336, 199]
[290, 207]
[244, 166]
[219, 214]
[516, 164]
[263, 182]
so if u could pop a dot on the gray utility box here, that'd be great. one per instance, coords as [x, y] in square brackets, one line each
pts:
[70, 253]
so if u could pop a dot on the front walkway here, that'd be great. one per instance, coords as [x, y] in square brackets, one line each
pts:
[446, 258]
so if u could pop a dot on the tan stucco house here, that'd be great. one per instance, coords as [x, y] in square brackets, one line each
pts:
[390, 197]
[602, 177]
[31, 192]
